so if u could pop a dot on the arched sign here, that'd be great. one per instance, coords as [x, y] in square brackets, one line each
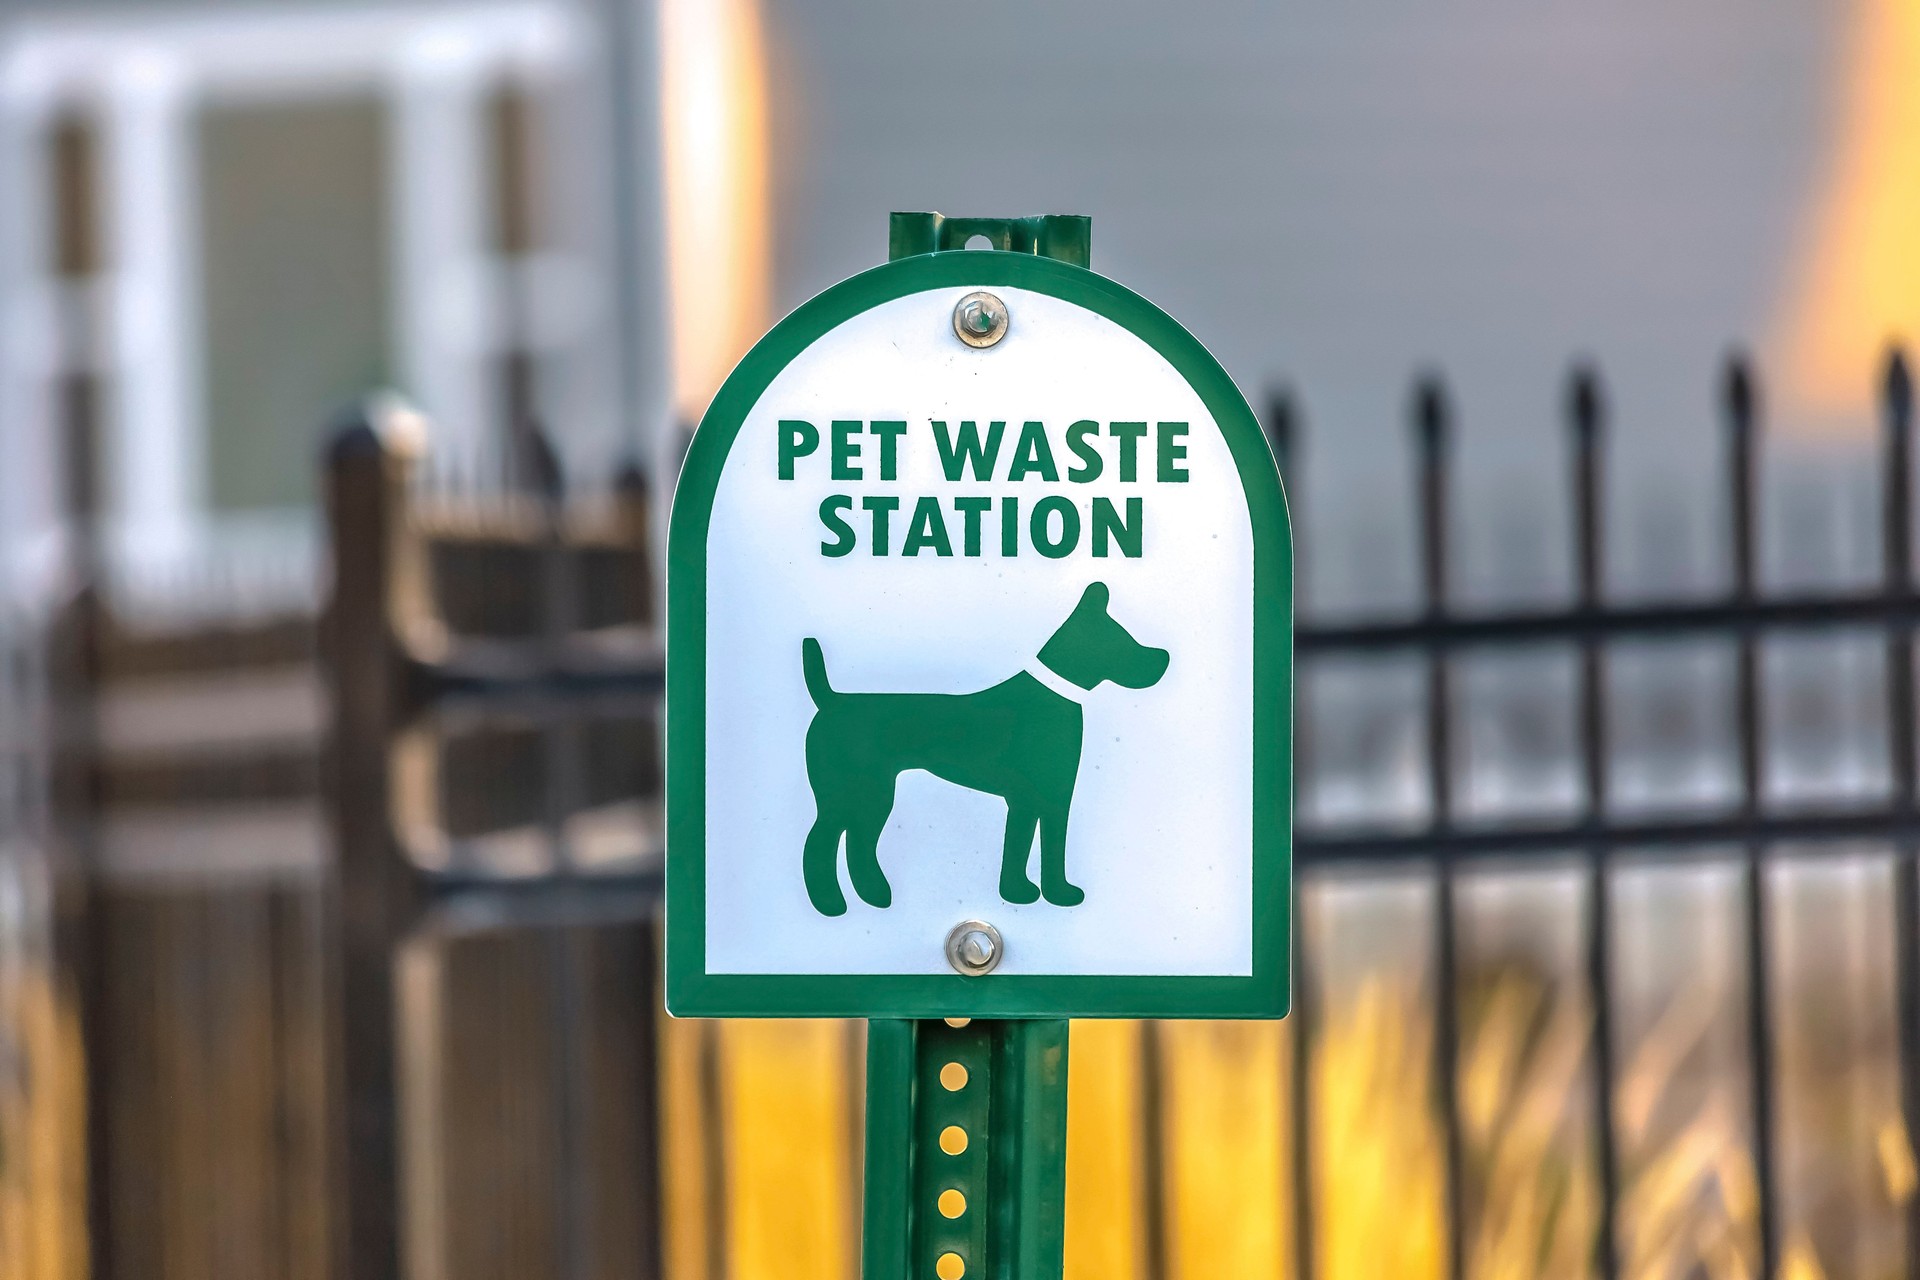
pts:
[979, 683]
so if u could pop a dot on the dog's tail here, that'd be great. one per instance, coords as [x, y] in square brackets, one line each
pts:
[815, 667]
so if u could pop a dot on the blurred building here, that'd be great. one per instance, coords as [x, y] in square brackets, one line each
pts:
[223, 223]
[580, 212]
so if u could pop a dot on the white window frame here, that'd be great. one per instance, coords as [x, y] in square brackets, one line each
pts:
[142, 80]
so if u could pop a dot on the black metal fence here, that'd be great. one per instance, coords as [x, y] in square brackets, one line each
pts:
[1439, 634]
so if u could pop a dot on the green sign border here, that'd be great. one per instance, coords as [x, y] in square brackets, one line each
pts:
[691, 991]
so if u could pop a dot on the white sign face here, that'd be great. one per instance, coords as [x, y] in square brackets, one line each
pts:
[981, 639]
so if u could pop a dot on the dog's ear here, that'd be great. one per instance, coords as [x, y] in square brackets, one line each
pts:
[1095, 594]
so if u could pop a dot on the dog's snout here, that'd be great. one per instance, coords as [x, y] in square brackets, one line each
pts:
[1146, 670]
[1158, 659]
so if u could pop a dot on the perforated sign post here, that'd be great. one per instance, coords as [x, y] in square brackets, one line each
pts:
[979, 701]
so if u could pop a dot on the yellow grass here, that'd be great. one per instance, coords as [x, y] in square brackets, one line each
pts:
[1379, 1166]
[792, 1208]
[42, 1131]
[1105, 1234]
[1688, 1203]
[772, 1190]
[1224, 1138]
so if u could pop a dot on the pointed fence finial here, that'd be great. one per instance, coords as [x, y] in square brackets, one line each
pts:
[1739, 394]
[1430, 412]
[1896, 504]
[632, 475]
[1586, 407]
[1586, 415]
[1897, 389]
[1282, 424]
[1740, 400]
[544, 472]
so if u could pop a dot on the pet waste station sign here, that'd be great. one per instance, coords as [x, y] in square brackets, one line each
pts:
[979, 702]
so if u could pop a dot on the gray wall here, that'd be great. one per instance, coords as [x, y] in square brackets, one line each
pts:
[1336, 195]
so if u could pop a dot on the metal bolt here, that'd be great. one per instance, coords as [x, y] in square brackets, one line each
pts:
[974, 947]
[980, 320]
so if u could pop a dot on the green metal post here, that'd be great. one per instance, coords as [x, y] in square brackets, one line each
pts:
[966, 1164]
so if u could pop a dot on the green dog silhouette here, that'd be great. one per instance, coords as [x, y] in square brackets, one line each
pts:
[1019, 740]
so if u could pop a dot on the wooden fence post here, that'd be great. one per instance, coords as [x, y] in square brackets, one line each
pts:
[377, 894]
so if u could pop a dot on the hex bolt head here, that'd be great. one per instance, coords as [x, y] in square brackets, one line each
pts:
[980, 319]
[974, 947]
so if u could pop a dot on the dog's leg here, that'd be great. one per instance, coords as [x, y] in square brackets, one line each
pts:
[1053, 862]
[1014, 885]
[819, 865]
[863, 856]
[868, 805]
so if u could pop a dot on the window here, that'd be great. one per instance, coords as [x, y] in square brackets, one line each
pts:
[293, 207]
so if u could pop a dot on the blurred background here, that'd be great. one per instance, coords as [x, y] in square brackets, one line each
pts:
[347, 353]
